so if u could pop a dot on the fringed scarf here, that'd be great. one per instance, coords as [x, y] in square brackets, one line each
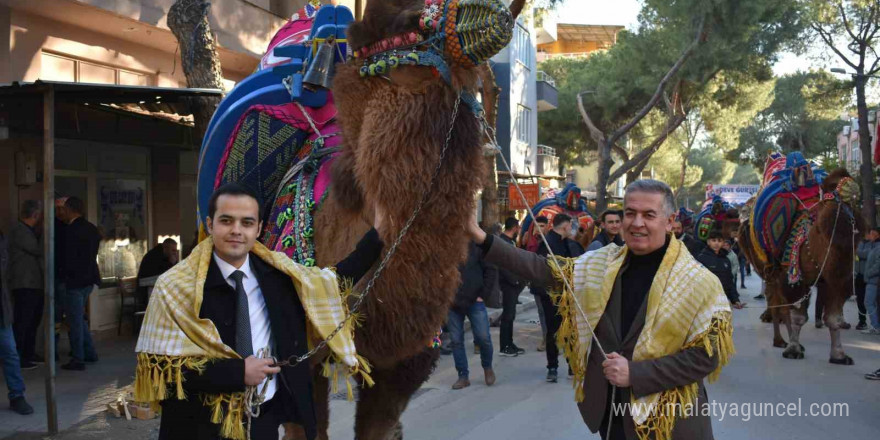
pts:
[173, 336]
[686, 308]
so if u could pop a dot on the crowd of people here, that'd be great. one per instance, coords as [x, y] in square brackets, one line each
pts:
[76, 275]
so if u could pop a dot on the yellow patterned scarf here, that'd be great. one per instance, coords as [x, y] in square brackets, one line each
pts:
[174, 337]
[686, 308]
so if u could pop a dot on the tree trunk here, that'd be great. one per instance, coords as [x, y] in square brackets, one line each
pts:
[489, 197]
[869, 209]
[605, 162]
[188, 21]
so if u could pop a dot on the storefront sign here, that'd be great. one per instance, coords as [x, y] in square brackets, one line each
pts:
[734, 194]
[530, 190]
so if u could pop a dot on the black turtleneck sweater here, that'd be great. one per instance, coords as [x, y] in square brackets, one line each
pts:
[636, 282]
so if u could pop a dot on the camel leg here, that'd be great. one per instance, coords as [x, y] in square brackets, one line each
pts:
[780, 316]
[321, 403]
[833, 319]
[379, 407]
[798, 317]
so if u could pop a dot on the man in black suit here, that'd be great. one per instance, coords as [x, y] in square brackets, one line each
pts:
[558, 240]
[79, 255]
[273, 317]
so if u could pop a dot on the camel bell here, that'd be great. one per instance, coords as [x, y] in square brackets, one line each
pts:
[320, 71]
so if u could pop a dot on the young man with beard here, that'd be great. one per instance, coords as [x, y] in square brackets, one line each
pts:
[610, 221]
[561, 246]
[661, 317]
[511, 286]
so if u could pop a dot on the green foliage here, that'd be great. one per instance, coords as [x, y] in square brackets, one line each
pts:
[739, 42]
[803, 116]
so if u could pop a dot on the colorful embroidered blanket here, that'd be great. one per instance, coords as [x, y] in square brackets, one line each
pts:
[686, 308]
[567, 201]
[787, 193]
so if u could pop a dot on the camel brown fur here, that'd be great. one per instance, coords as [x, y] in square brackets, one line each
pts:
[826, 260]
[394, 130]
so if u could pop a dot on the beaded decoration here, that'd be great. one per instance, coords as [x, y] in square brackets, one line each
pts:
[436, 342]
[292, 219]
[468, 32]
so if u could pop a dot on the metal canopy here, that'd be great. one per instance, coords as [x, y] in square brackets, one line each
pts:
[150, 99]
[587, 32]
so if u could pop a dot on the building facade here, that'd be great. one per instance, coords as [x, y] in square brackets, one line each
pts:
[134, 164]
[848, 150]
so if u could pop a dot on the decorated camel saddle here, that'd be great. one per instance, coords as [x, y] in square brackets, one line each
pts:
[784, 210]
[277, 131]
[567, 201]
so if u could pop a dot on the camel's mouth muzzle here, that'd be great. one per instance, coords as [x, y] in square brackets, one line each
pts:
[450, 33]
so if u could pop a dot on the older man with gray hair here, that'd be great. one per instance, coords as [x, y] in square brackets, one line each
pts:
[660, 319]
[26, 280]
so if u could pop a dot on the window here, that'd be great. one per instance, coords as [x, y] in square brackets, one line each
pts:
[523, 124]
[523, 48]
[60, 68]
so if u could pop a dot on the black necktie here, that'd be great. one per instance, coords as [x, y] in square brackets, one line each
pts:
[243, 343]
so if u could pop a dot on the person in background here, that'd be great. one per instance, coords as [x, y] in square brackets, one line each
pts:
[159, 259]
[871, 242]
[476, 280]
[743, 262]
[532, 245]
[60, 288]
[693, 244]
[8, 352]
[26, 280]
[872, 279]
[511, 287]
[79, 254]
[610, 222]
[714, 258]
[558, 241]
[734, 260]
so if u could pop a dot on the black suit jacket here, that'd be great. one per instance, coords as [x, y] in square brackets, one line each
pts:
[79, 254]
[190, 419]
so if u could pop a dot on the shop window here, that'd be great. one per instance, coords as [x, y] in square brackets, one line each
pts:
[122, 221]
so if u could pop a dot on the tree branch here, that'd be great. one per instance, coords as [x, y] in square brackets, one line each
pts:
[647, 152]
[830, 43]
[846, 22]
[662, 85]
[595, 133]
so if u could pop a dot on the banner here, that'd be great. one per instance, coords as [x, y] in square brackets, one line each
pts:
[733, 194]
[530, 190]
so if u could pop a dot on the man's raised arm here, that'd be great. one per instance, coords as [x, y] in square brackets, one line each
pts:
[527, 265]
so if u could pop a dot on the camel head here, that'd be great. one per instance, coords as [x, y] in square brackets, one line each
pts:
[412, 61]
[843, 187]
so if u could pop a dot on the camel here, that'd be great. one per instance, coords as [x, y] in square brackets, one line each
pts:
[394, 129]
[826, 261]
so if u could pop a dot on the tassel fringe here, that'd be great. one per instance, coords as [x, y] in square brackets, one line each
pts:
[154, 374]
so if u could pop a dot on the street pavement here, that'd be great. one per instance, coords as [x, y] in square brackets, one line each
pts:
[521, 405]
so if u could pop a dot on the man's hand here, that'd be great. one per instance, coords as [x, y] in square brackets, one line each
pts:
[380, 218]
[474, 231]
[616, 370]
[256, 370]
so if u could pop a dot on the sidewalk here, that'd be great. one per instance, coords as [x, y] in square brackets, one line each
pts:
[81, 396]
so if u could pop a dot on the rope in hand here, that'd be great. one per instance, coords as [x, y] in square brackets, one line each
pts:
[567, 288]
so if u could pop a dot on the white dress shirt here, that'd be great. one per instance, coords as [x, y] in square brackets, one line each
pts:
[261, 332]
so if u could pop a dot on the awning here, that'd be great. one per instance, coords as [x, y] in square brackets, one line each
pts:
[165, 100]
